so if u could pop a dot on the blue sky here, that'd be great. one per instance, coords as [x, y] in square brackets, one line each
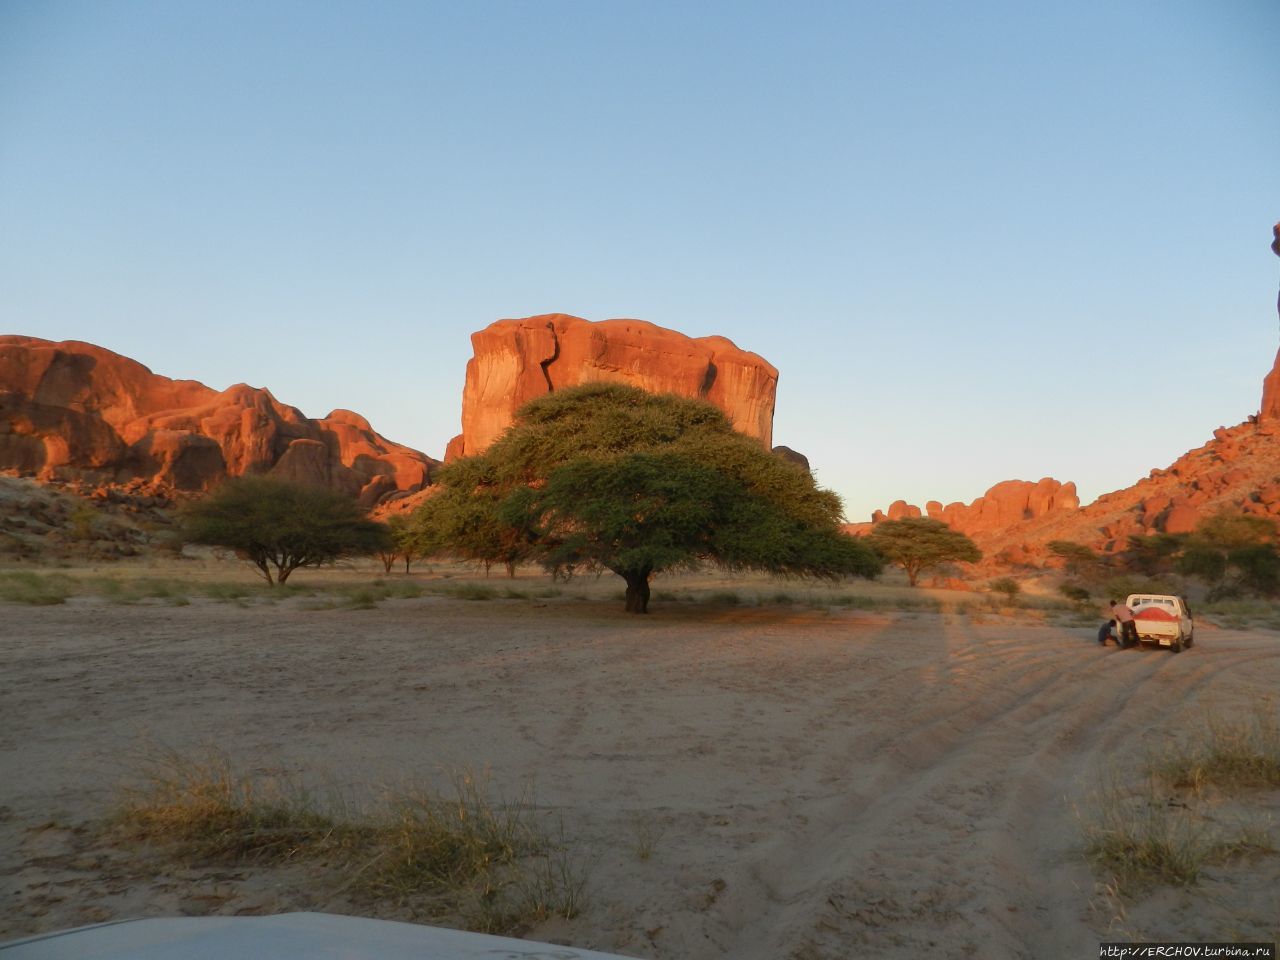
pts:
[980, 241]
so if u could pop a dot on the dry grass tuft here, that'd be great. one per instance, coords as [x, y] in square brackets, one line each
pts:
[1230, 753]
[1165, 830]
[456, 856]
[205, 809]
[1142, 841]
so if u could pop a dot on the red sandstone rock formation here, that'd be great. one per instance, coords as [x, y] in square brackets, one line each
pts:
[517, 360]
[1005, 505]
[1271, 385]
[74, 411]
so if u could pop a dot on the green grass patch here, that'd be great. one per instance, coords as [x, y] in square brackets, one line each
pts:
[859, 601]
[36, 589]
[469, 591]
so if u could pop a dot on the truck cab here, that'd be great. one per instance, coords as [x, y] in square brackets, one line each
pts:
[1162, 620]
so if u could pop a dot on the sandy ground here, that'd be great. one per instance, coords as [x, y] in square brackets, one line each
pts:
[815, 784]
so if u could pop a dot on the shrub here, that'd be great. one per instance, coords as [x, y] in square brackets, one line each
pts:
[41, 590]
[1007, 586]
[1074, 592]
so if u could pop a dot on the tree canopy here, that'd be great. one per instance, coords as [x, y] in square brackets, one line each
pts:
[918, 543]
[281, 526]
[609, 476]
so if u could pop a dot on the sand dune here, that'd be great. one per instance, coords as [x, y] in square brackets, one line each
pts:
[813, 784]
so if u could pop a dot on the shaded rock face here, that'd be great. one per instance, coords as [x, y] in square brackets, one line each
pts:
[515, 361]
[74, 411]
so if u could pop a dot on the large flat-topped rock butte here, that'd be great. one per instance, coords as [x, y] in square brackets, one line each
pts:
[73, 411]
[515, 361]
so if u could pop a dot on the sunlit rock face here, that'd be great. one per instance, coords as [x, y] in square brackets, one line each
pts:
[1005, 505]
[515, 361]
[75, 411]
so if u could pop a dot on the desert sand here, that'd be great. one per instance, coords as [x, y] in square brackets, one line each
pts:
[813, 783]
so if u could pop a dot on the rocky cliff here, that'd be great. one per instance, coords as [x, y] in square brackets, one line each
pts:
[515, 361]
[73, 411]
[1013, 523]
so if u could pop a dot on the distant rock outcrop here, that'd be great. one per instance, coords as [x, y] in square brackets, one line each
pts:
[1005, 505]
[515, 361]
[77, 412]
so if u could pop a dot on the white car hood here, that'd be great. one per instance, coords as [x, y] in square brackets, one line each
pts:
[286, 936]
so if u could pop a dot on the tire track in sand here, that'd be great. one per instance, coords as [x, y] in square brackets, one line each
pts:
[958, 838]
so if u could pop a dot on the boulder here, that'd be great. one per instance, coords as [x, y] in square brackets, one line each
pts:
[901, 510]
[515, 361]
[1181, 518]
[791, 456]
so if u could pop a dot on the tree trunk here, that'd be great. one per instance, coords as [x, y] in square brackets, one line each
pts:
[637, 590]
[912, 572]
[407, 558]
[511, 570]
[266, 571]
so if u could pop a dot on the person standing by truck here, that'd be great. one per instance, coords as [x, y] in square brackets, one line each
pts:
[1128, 628]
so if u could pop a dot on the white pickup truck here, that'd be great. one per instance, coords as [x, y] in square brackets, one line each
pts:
[1163, 621]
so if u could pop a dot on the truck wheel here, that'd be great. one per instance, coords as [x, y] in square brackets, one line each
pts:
[1176, 646]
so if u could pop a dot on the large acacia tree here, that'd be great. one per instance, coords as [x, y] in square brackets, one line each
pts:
[280, 526]
[609, 476]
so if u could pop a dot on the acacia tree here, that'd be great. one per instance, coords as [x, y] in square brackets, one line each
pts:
[610, 476]
[1078, 560]
[917, 543]
[281, 526]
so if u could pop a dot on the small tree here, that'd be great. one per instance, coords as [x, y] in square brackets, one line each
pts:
[400, 542]
[1077, 559]
[918, 543]
[281, 526]
[387, 551]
